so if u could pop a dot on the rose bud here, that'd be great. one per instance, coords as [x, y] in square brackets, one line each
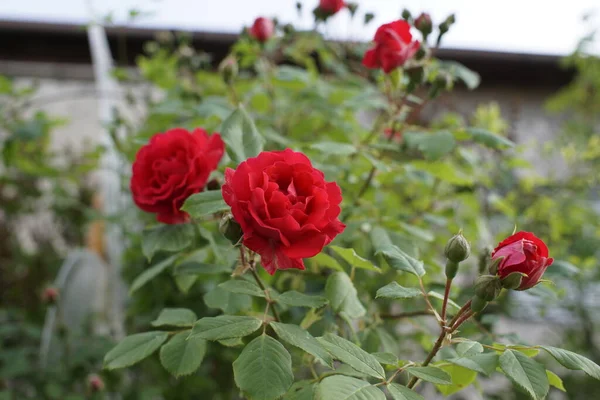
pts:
[330, 7]
[457, 250]
[230, 229]
[262, 29]
[488, 287]
[95, 383]
[406, 15]
[423, 24]
[393, 47]
[170, 168]
[285, 207]
[525, 253]
[50, 295]
[228, 69]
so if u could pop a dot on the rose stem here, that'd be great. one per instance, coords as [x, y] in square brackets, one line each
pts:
[264, 288]
[445, 303]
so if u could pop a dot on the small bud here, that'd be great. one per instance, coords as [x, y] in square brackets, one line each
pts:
[488, 287]
[406, 15]
[95, 383]
[513, 280]
[213, 184]
[494, 264]
[421, 53]
[352, 7]
[478, 304]
[50, 295]
[231, 229]
[457, 248]
[299, 6]
[423, 24]
[415, 76]
[369, 17]
[228, 69]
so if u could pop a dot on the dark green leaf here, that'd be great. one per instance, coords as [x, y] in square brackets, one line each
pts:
[526, 373]
[574, 361]
[484, 363]
[197, 268]
[351, 354]
[400, 392]
[350, 256]
[228, 302]
[431, 374]
[386, 358]
[488, 138]
[342, 295]
[134, 349]
[241, 136]
[204, 203]
[225, 327]
[242, 287]
[150, 273]
[169, 238]
[433, 145]
[180, 317]
[297, 299]
[394, 291]
[182, 356]
[300, 338]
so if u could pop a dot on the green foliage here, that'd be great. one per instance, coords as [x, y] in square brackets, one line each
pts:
[134, 349]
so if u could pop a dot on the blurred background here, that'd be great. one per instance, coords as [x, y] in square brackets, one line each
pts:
[77, 76]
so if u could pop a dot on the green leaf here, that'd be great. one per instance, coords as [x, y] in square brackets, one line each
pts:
[350, 256]
[417, 232]
[526, 373]
[180, 317]
[574, 361]
[342, 295]
[300, 338]
[241, 136]
[233, 342]
[484, 363]
[297, 299]
[182, 356]
[327, 261]
[225, 327]
[169, 238]
[228, 302]
[555, 381]
[134, 349]
[303, 390]
[488, 138]
[341, 387]
[385, 358]
[469, 348]
[433, 145]
[263, 371]
[150, 273]
[394, 291]
[349, 353]
[431, 374]
[242, 287]
[470, 78]
[333, 148]
[400, 392]
[197, 268]
[440, 296]
[401, 261]
[204, 203]
[461, 378]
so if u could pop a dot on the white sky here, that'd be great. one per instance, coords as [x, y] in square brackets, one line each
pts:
[530, 26]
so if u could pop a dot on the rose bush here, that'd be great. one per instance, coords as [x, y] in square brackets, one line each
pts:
[171, 167]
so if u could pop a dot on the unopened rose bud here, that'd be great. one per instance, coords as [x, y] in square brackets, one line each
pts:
[50, 295]
[262, 29]
[457, 249]
[423, 24]
[213, 184]
[95, 383]
[231, 229]
[488, 287]
[512, 281]
[406, 15]
[228, 69]
[478, 304]
[352, 7]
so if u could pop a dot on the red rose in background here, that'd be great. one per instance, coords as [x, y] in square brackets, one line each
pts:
[331, 7]
[170, 168]
[393, 47]
[262, 29]
[285, 208]
[391, 134]
[523, 252]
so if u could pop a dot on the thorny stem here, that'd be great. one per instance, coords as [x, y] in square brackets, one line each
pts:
[445, 303]
[260, 283]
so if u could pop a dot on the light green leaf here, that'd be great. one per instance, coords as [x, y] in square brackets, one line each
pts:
[333, 148]
[431, 374]
[233, 342]
[180, 317]
[574, 361]
[488, 138]
[349, 353]
[241, 136]
[526, 373]
[327, 261]
[350, 256]
[469, 348]
[134, 349]
[297, 299]
[228, 302]
[204, 203]
[300, 338]
[394, 291]
[400, 392]
[150, 273]
[555, 381]
[385, 358]
[393, 255]
[169, 238]
[440, 296]
[341, 387]
[342, 295]
[263, 371]
[225, 327]
[484, 363]
[303, 390]
[182, 356]
[379, 165]
[417, 232]
[433, 145]
[242, 287]
[461, 378]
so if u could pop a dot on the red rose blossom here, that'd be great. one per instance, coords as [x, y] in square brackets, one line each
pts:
[393, 47]
[285, 207]
[331, 7]
[523, 252]
[262, 29]
[170, 168]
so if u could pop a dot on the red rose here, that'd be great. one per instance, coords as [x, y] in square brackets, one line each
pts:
[262, 29]
[523, 252]
[285, 208]
[331, 7]
[50, 295]
[393, 47]
[391, 134]
[170, 168]
[95, 383]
